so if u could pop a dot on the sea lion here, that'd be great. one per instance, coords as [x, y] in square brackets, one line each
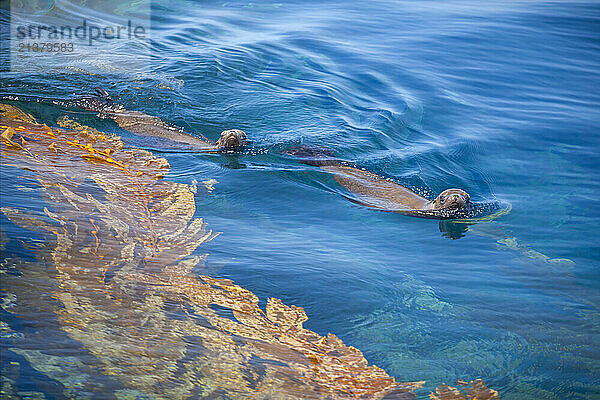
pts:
[377, 192]
[143, 124]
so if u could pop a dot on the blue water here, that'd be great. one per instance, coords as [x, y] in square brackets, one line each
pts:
[501, 99]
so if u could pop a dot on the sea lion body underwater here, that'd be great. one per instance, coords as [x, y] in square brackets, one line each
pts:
[144, 124]
[377, 192]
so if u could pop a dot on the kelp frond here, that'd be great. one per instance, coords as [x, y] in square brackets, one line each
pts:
[474, 390]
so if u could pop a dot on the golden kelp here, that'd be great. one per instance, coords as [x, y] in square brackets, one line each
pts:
[124, 247]
[474, 390]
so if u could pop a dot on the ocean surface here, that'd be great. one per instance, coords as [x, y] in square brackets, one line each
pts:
[501, 99]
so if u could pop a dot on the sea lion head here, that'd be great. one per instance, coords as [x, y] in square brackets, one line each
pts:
[452, 199]
[231, 138]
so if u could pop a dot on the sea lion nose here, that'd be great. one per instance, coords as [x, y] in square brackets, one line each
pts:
[456, 200]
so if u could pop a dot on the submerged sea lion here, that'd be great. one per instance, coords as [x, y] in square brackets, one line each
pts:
[143, 124]
[377, 192]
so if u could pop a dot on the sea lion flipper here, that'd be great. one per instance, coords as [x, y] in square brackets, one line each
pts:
[103, 94]
[99, 102]
[313, 155]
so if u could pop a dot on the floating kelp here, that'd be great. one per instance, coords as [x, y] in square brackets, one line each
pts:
[474, 390]
[507, 241]
[486, 225]
[122, 245]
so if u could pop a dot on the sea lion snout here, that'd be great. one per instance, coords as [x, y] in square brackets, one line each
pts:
[232, 138]
[452, 198]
